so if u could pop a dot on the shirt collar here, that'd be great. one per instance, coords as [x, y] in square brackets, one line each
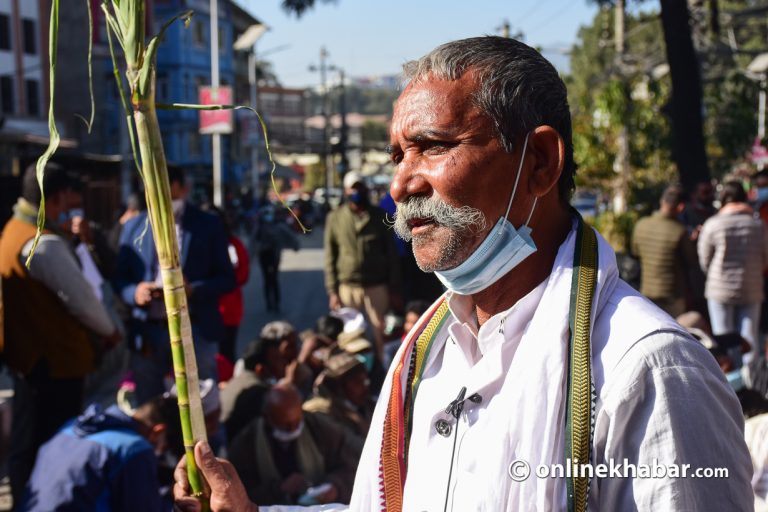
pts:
[476, 341]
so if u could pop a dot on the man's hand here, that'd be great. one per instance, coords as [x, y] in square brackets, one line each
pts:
[143, 294]
[329, 496]
[294, 484]
[308, 345]
[291, 372]
[334, 302]
[227, 491]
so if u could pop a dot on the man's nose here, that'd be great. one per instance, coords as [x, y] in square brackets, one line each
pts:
[407, 182]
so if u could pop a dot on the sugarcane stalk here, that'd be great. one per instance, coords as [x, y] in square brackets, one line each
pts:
[158, 194]
[126, 21]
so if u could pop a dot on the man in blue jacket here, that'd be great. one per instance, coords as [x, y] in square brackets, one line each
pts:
[208, 274]
[103, 460]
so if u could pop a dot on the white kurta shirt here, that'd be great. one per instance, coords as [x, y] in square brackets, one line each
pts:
[661, 399]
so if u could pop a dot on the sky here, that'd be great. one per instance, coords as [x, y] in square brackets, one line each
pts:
[367, 37]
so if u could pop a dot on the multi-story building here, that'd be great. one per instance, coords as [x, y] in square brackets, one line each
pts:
[23, 90]
[183, 66]
[285, 110]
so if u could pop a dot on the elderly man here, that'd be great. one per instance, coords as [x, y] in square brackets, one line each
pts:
[539, 355]
[289, 456]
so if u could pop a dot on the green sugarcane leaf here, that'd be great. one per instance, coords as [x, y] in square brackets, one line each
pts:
[113, 24]
[190, 106]
[53, 143]
[145, 72]
[130, 15]
[124, 102]
[89, 122]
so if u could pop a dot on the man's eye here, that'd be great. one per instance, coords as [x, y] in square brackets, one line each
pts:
[437, 147]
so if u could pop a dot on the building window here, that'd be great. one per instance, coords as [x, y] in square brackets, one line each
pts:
[162, 87]
[198, 36]
[33, 97]
[30, 37]
[6, 94]
[194, 143]
[5, 32]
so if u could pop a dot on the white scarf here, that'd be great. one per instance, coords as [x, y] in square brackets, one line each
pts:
[540, 363]
[535, 432]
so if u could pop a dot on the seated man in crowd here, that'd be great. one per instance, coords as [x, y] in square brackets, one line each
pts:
[289, 457]
[343, 394]
[243, 397]
[103, 460]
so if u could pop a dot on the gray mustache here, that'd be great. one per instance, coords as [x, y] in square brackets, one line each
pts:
[463, 218]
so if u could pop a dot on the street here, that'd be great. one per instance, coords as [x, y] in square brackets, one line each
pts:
[303, 297]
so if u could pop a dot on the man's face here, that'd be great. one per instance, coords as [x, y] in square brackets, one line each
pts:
[410, 320]
[761, 181]
[275, 363]
[179, 190]
[356, 387]
[286, 417]
[448, 154]
[289, 349]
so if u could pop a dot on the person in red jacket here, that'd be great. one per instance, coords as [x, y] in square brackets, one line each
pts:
[231, 304]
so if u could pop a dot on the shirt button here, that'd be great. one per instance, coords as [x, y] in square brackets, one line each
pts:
[443, 428]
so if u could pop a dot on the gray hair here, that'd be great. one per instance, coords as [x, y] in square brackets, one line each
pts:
[519, 89]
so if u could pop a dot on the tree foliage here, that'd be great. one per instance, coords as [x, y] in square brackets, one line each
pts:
[597, 101]
[598, 98]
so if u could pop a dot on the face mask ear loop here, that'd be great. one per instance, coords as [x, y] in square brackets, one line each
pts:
[517, 179]
[535, 198]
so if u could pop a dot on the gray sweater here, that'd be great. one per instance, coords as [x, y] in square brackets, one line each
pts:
[733, 252]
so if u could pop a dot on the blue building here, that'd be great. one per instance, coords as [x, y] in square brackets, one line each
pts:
[184, 65]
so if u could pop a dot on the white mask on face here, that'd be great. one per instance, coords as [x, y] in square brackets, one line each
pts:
[502, 250]
[286, 436]
[178, 207]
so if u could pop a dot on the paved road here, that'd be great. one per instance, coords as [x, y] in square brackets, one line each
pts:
[301, 285]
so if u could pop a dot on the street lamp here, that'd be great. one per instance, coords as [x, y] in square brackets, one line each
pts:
[247, 42]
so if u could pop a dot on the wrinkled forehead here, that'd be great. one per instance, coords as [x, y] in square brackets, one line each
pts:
[436, 102]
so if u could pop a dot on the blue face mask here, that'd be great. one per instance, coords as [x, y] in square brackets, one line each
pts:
[502, 250]
[735, 380]
[762, 195]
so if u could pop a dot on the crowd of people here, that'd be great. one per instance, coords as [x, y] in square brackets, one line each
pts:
[95, 418]
[295, 413]
[706, 257]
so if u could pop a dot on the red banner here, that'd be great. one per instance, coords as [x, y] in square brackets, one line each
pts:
[215, 121]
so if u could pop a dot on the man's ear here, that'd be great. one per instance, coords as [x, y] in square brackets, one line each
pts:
[548, 149]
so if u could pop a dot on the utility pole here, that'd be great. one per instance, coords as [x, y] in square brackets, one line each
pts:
[326, 125]
[325, 156]
[343, 134]
[216, 137]
[254, 93]
[621, 163]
